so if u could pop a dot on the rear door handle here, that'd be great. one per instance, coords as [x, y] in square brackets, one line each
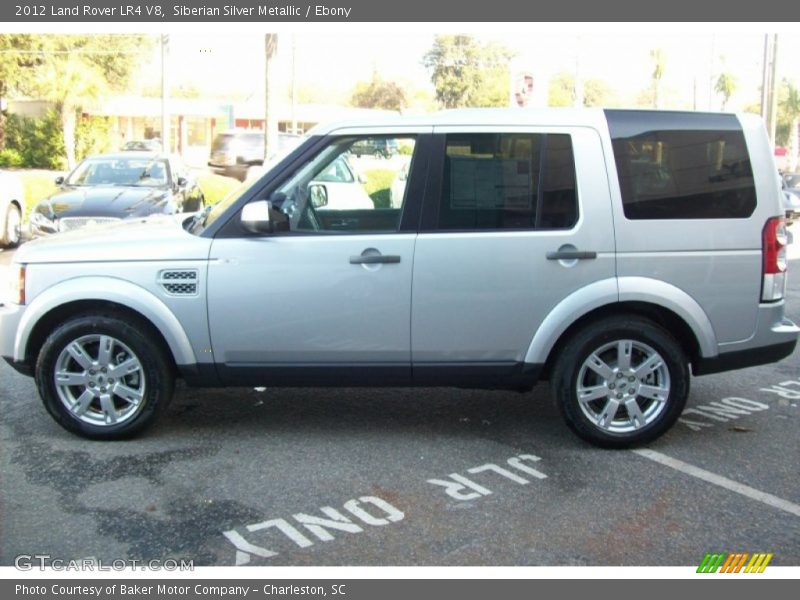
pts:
[571, 255]
[374, 259]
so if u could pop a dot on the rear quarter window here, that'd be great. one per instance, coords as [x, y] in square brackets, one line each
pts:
[682, 165]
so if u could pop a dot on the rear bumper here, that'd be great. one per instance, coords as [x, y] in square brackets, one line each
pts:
[775, 338]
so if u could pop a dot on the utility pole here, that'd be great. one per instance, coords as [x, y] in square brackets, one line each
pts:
[165, 116]
[294, 84]
[270, 122]
[773, 92]
[769, 92]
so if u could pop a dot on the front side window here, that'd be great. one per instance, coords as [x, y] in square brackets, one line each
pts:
[344, 189]
[508, 181]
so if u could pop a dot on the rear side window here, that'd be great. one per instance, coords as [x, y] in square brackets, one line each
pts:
[682, 165]
[508, 181]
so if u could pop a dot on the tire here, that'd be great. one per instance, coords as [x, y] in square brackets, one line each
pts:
[621, 382]
[134, 372]
[12, 231]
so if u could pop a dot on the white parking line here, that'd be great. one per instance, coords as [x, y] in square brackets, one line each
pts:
[723, 482]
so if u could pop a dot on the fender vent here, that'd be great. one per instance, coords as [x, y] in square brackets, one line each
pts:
[179, 282]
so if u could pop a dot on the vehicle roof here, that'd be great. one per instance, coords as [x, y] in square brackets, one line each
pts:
[588, 117]
[130, 154]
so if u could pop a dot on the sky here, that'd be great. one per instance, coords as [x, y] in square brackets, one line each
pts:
[333, 62]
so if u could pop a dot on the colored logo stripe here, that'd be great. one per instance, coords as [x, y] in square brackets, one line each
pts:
[733, 563]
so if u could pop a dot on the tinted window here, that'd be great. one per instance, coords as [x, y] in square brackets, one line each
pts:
[508, 181]
[682, 166]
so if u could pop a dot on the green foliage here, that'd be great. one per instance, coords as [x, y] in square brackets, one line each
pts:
[379, 94]
[596, 92]
[377, 186]
[38, 141]
[788, 111]
[10, 158]
[726, 86]
[92, 136]
[465, 72]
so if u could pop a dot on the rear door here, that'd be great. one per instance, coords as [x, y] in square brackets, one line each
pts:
[515, 221]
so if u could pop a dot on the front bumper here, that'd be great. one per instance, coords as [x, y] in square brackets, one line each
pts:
[10, 316]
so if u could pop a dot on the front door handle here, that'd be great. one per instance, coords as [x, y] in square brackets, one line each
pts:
[374, 259]
[571, 255]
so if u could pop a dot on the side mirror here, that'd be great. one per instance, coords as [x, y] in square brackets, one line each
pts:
[361, 179]
[59, 180]
[181, 182]
[318, 195]
[255, 217]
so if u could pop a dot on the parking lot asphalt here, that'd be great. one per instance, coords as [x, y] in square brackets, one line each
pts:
[408, 477]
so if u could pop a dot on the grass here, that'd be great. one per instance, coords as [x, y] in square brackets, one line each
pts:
[37, 186]
[378, 183]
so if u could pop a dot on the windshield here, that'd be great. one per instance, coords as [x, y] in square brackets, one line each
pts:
[143, 172]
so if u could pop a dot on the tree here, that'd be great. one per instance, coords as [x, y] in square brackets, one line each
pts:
[71, 71]
[596, 92]
[726, 85]
[379, 94]
[465, 72]
[657, 55]
[788, 129]
[17, 57]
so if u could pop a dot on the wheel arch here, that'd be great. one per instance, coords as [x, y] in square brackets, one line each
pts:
[668, 306]
[84, 295]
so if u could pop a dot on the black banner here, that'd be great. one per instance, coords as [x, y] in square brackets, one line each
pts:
[398, 589]
[473, 11]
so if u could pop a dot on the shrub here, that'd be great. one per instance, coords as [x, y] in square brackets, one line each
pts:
[38, 142]
[10, 157]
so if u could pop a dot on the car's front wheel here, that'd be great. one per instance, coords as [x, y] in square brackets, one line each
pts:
[103, 377]
[621, 382]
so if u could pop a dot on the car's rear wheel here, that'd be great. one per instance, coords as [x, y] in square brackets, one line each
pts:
[102, 377]
[12, 232]
[621, 382]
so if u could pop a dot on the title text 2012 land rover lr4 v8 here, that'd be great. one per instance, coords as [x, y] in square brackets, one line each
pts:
[609, 252]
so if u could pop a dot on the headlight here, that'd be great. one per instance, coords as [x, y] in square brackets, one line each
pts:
[16, 284]
[40, 221]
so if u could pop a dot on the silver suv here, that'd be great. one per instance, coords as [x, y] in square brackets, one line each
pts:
[612, 253]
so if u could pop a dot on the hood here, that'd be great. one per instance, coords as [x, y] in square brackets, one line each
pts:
[105, 201]
[158, 237]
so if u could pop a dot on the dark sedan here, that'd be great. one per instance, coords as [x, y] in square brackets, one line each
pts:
[110, 187]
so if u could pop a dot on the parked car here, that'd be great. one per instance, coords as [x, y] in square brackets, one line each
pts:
[236, 152]
[12, 199]
[152, 145]
[612, 253]
[379, 147]
[110, 187]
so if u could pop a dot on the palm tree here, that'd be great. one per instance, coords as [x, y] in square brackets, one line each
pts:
[657, 54]
[726, 85]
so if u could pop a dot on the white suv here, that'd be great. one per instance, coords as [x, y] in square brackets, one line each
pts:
[612, 253]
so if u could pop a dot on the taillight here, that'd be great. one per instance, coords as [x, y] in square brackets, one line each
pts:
[774, 242]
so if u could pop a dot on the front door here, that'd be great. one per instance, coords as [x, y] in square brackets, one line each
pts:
[329, 300]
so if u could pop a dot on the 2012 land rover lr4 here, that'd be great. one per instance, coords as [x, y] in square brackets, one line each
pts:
[610, 252]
